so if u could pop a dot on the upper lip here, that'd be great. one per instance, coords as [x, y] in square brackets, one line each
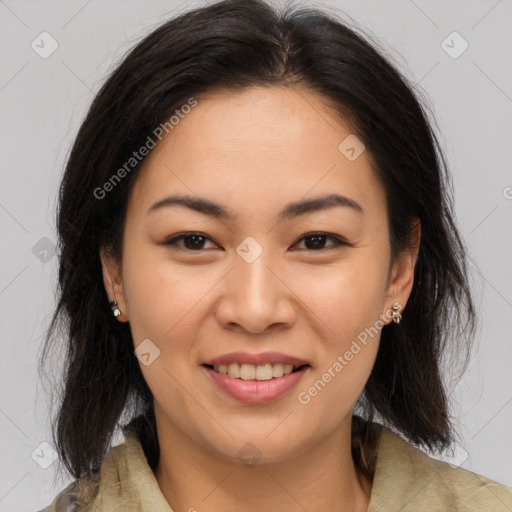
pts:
[256, 359]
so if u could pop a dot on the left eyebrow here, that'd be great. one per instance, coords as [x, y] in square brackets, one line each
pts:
[291, 210]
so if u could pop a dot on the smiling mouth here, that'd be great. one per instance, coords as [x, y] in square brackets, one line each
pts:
[246, 371]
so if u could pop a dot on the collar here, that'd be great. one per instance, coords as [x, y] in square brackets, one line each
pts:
[405, 479]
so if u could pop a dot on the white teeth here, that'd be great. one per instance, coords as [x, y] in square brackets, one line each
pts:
[250, 371]
[247, 371]
[234, 370]
[264, 372]
[277, 370]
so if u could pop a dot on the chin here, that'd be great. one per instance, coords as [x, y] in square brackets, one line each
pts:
[252, 450]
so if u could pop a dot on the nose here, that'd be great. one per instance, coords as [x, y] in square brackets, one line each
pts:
[256, 297]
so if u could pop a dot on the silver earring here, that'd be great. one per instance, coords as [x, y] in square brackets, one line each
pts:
[115, 308]
[396, 316]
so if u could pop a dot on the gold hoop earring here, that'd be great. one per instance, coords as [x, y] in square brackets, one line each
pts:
[396, 316]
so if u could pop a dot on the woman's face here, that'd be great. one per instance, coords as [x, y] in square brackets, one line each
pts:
[255, 283]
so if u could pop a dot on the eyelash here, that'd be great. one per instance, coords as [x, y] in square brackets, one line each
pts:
[338, 242]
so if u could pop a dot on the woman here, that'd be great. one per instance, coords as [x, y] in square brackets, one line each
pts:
[257, 243]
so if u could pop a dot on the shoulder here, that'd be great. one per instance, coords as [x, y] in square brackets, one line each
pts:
[65, 501]
[78, 496]
[84, 494]
[408, 479]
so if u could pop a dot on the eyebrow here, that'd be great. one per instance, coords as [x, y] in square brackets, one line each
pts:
[291, 210]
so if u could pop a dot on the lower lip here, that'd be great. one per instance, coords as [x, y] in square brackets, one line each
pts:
[257, 391]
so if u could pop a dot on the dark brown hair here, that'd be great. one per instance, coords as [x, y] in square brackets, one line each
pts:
[231, 45]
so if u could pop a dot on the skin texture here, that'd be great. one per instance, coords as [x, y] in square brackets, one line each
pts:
[255, 151]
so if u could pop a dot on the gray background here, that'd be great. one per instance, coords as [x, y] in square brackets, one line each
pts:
[43, 101]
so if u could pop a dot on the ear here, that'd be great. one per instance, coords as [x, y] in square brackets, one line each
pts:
[401, 277]
[113, 282]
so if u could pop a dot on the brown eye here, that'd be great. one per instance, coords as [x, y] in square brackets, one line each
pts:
[191, 241]
[316, 241]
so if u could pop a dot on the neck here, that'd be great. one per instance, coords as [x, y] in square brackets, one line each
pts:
[324, 477]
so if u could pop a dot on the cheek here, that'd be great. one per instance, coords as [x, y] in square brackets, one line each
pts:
[347, 296]
[158, 293]
[162, 299]
[347, 303]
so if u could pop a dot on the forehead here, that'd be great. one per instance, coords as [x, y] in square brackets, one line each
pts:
[255, 149]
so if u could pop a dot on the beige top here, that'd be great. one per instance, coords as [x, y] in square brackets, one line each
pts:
[405, 480]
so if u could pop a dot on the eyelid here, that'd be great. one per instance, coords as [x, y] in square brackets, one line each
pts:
[338, 240]
[172, 241]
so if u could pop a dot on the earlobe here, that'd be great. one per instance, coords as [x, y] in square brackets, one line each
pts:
[113, 284]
